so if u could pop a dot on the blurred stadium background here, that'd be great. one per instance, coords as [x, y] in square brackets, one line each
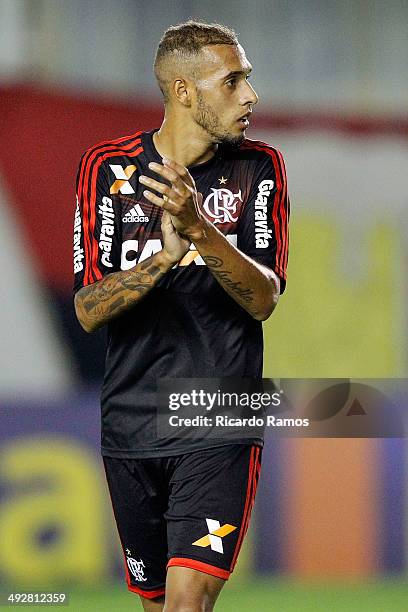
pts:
[329, 532]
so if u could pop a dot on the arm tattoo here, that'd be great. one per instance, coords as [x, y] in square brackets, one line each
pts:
[117, 292]
[243, 295]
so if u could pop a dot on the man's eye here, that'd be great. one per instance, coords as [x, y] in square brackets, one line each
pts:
[232, 82]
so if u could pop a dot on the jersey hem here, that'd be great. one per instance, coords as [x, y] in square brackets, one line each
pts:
[161, 452]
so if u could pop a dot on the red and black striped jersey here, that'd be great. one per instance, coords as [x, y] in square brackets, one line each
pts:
[187, 326]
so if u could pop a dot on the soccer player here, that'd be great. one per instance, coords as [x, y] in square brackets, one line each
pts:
[180, 246]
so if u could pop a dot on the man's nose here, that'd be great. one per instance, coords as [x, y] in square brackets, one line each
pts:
[251, 96]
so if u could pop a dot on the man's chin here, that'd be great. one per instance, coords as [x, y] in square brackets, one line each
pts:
[230, 140]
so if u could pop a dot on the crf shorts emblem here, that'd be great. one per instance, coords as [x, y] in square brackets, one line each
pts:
[136, 567]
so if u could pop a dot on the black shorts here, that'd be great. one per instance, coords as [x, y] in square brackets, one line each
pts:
[189, 510]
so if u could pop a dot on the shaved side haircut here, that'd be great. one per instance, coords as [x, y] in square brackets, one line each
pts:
[183, 43]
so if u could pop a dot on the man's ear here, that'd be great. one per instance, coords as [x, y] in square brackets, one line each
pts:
[182, 91]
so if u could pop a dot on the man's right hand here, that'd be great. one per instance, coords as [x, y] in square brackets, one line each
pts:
[174, 245]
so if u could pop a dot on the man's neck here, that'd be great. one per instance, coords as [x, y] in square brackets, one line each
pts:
[179, 141]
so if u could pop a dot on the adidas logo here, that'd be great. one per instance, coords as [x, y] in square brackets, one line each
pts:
[135, 215]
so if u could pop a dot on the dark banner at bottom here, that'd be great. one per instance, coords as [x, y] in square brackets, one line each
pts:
[232, 408]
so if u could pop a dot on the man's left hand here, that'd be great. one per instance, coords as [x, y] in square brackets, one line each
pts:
[180, 198]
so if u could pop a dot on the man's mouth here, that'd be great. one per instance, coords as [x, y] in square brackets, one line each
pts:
[244, 120]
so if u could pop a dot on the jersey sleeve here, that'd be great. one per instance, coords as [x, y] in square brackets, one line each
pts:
[96, 224]
[263, 225]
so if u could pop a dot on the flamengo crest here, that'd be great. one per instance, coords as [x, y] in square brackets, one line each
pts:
[221, 205]
[136, 567]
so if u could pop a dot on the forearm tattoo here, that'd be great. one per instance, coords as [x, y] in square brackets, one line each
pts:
[243, 295]
[117, 292]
